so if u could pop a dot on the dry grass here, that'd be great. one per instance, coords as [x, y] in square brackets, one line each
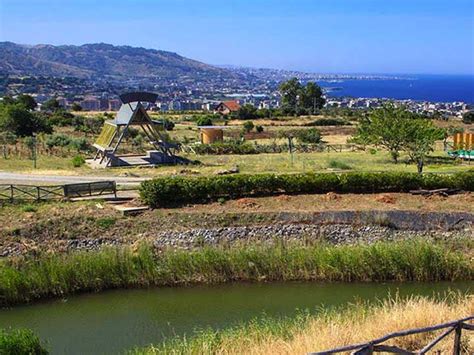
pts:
[357, 324]
[393, 316]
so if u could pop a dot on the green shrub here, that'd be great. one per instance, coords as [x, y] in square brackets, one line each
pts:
[337, 164]
[20, 342]
[248, 126]
[78, 161]
[58, 140]
[175, 190]
[204, 121]
[311, 135]
[328, 122]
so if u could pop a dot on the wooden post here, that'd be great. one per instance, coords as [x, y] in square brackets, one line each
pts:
[457, 339]
[11, 193]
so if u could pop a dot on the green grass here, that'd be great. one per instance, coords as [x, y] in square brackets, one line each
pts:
[20, 342]
[258, 163]
[29, 208]
[30, 278]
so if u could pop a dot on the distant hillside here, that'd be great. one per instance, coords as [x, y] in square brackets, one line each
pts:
[98, 60]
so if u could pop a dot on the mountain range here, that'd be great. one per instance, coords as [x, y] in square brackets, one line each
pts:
[92, 61]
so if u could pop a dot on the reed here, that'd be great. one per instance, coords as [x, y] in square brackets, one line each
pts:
[29, 278]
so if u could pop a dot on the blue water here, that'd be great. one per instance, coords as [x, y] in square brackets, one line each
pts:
[434, 88]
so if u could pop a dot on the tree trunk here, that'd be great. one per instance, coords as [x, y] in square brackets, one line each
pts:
[394, 155]
[419, 165]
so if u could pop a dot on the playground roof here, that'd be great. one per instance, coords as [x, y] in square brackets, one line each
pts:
[131, 113]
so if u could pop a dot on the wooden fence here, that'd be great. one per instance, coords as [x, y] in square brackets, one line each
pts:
[13, 193]
[376, 345]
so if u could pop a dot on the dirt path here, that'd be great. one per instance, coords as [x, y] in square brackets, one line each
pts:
[39, 179]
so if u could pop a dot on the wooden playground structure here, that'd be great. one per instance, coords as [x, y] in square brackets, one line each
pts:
[133, 113]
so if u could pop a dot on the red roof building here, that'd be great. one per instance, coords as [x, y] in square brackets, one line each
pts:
[226, 107]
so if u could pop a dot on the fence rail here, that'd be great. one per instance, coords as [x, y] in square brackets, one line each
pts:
[13, 192]
[376, 345]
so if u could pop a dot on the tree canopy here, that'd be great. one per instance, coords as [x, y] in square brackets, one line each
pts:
[17, 119]
[297, 99]
[397, 129]
[468, 117]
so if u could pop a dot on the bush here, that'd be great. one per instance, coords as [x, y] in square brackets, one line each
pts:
[226, 148]
[468, 117]
[259, 129]
[61, 118]
[58, 140]
[20, 341]
[337, 164]
[204, 121]
[248, 126]
[78, 161]
[168, 125]
[311, 135]
[175, 190]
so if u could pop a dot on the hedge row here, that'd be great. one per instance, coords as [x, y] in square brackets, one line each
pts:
[175, 190]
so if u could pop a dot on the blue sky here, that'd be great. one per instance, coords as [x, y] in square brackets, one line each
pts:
[349, 36]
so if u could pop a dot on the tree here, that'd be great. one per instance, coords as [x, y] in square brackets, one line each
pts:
[468, 117]
[247, 112]
[386, 127]
[21, 122]
[7, 138]
[289, 95]
[248, 126]
[51, 105]
[76, 107]
[27, 101]
[298, 99]
[311, 98]
[420, 136]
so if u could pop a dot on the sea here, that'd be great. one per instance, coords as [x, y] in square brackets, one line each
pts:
[433, 88]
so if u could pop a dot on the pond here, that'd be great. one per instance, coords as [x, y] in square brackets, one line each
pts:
[112, 322]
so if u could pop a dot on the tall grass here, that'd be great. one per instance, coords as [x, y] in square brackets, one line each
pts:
[20, 341]
[27, 279]
[305, 333]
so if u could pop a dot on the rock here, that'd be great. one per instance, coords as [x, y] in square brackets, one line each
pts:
[233, 170]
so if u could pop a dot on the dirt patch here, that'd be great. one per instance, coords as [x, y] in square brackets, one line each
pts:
[332, 196]
[386, 199]
[247, 203]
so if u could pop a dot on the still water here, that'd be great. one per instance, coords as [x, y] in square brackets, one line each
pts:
[114, 321]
